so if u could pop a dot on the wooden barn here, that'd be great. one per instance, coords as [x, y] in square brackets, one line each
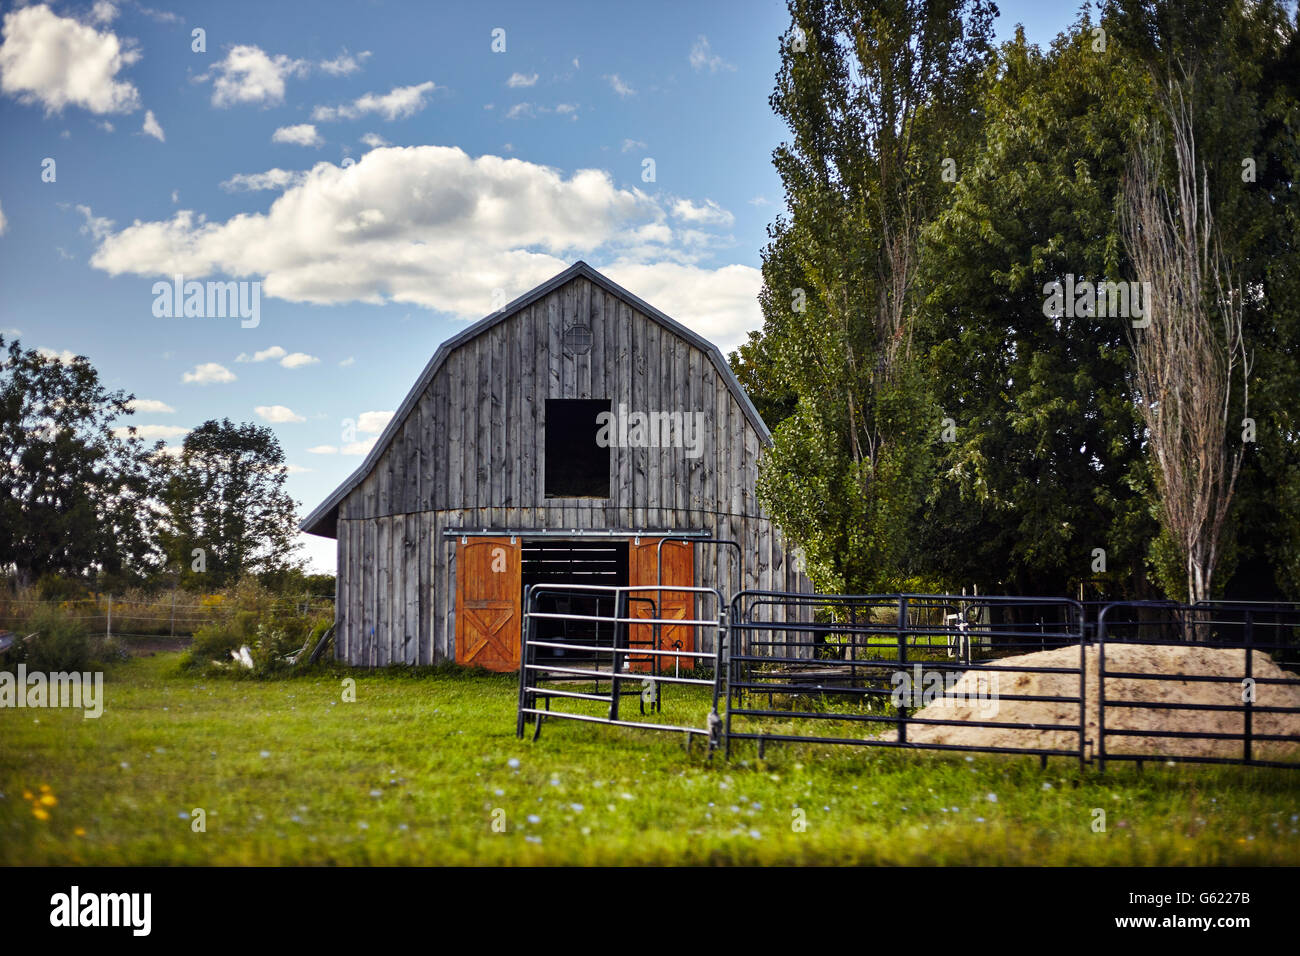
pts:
[556, 441]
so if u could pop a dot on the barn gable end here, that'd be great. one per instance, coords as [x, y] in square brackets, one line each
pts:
[465, 452]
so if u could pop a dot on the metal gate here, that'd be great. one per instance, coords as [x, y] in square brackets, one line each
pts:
[591, 637]
[1264, 633]
[804, 668]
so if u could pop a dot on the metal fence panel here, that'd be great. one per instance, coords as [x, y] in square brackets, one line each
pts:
[564, 647]
[1261, 631]
[846, 667]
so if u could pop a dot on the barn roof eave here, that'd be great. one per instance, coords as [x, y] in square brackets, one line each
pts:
[323, 520]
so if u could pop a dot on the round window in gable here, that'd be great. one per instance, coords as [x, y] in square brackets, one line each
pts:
[577, 339]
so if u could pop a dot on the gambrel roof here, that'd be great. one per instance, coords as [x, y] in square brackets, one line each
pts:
[322, 520]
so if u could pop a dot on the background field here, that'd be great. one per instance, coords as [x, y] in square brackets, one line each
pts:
[412, 771]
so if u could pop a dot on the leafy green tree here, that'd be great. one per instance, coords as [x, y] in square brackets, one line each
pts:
[1045, 471]
[74, 487]
[228, 513]
[1231, 68]
[879, 96]
[1267, 556]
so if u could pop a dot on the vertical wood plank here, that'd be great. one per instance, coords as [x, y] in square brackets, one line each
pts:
[341, 575]
[411, 573]
[621, 375]
[455, 426]
[369, 581]
[383, 598]
[495, 454]
[541, 389]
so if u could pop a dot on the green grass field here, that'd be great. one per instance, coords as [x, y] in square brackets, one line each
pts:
[419, 767]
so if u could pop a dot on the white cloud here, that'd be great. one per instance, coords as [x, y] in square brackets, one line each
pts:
[162, 16]
[58, 62]
[208, 373]
[372, 423]
[249, 75]
[271, 179]
[709, 214]
[4, 223]
[398, 103]
[103, 12]
[345, 64]
[176, 196]
[296, 469]
[703, 57]
[374, 140]
[97, 227]
[152, 432]
[298, 360]
[519, 79]
[631, 144]
[152, 127]
[303, 134]
[278, 414]
[528, 110]
[434, 227]
[351, 448]
[347, 361]
[66, 356]
[274, 352]
[149, 405]
[426, 225]
[759, 201]
[719, 304]
[618, 86]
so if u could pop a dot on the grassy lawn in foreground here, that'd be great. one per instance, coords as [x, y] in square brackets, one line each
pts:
[413, 771]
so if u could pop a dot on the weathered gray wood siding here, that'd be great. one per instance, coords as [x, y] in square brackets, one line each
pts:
[470, 455]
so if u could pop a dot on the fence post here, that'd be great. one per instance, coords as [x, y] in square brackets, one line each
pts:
[620, 640]
[1083, 685]
[1249, 698]
[524, 661]
[1100, 748]
[173, 633]
[902, 664]
[108, 621]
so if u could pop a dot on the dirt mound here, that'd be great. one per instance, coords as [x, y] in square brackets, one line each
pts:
[968, 700]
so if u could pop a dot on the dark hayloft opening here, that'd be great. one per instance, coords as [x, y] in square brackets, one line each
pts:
[576, 466]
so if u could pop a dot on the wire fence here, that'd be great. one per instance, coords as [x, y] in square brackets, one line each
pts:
[165, 615]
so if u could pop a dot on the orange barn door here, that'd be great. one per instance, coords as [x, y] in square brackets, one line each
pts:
[488, 599]
[678, 569]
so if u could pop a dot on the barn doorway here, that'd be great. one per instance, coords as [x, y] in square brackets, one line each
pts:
[574, 562]
[494, 570]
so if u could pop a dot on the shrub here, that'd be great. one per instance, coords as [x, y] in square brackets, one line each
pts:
[215, 641]
[272, 626]
[51, 587]
[63, 642]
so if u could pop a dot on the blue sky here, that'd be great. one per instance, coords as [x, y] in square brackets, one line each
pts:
[385, 175]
